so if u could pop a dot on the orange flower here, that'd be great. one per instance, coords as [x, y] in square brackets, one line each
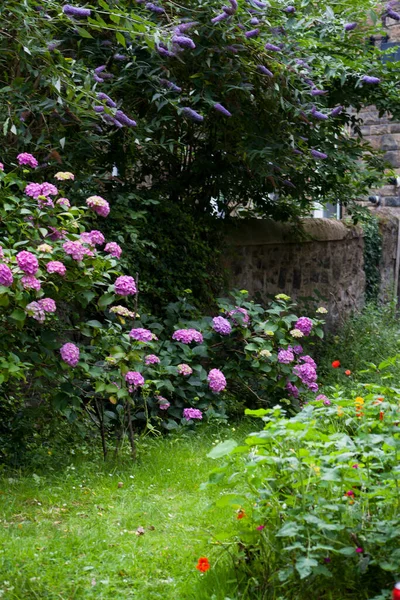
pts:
[347, 372]
[381, 415]
[241, 514]
[336, 364]
[202, 564]
[378, 401]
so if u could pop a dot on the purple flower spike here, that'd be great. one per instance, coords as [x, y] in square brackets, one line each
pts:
[183, 27]
[264, 70]
[318, 92]
[98, 79]
[259, 4]
[252, 33]
[109, 102]
[163, 51]
[296, 151]
[221, 109]
[290, 9]
[371, 80]
[192, 114]
[272, 47]
[219, 18]
[98, 109]
[100, 69]
[74, 11]
[254, 21]
[154, 8]
[336, 111]
[234, 5]
[184, 42]
[350, 26]
[124, 119]
[317, 154]
[393, 14]
[171, 86]
[319, 115]
[120, 57]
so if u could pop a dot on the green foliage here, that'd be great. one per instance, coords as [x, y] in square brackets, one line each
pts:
[317, 496]
[372, 257]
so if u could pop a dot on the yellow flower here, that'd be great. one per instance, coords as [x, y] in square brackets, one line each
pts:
[340, 412]
[45, 248]
[282, 297]
[316, 469]
[296, 333]
[359, 401]
[321, 310]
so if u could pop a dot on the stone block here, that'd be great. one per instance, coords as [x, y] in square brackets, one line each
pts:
[393, 157]
[390, 142]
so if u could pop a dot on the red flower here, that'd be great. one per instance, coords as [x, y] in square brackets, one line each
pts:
[336, 364]
[381, 415]
[202, 564]
[350, 493]
[347, 372]
[241, 514]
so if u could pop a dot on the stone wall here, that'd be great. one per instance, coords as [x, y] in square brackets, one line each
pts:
[321, 255]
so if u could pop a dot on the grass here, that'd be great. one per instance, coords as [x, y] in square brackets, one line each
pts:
[73, 532]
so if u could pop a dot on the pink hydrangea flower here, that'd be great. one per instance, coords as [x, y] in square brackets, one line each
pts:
[310, 361]
[27, 262]
[75, 249]
[55, 266]
[163, 403]
[48, 189]
[285, 356]
[30, 282]
[114, 249]
[304, 324]
[27, 159]
[55, 234]
[297, 349]
[98, 205]
[141, 335]
[1, 166]
[6, 276]
[216, 381]
[64, 202]
[221, 325]
[70, 354]
[192, 413]
[96, 237]
[184, 369]
[151, 359]
[48, 305]
[125, 286]
[187, 336]
[44, 201]
[243, 320]
[134, 378]
[307, 374]
[1, 252]
[33, 190]
[292, 389]
[34, 310]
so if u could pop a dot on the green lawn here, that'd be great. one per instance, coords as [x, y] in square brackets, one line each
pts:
[73, 532]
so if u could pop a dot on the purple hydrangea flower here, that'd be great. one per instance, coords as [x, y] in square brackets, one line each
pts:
[33, 190]
[192, 413]
[171, 86]
[151, 359]
[221, 325]
[27, 159]
[109, 101]
[163, 403]
[187, 336]
[96, 237]
[124, 119]
[304, 324]
[75, 11]
[252, 33]
[70, 354]
[264, 70]
[27, 262]
[125, 286]
[244, 318]
[48, 189]
[74, 249]
[141, 335]
[192, 114]
[272, 47]
[313, 387]
[98, 205]
[55, 266]
[184, 369]
[292, 389]
[6, 276]
[307, 359]
[29, 282]
[221, 109]
[48, 305]
[370, 80]
[44, 201]
[297, 349]
[64, 202]
[317, 154]
[134, 378]
[322, 398]
[216, 381]
[285, 356]
[350, 26]
[113, 249]
[336, 111]
[34, 310]
[306, 373]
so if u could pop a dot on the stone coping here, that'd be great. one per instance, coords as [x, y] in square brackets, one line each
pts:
[257, 232]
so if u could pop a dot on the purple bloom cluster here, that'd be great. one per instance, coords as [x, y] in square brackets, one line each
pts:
[27, 159]
[125, 286]
[304, 324]
[48, 305]
[141, 335]
[55, 266]
[264, 70]
[324, 399]
[70, 354]
[163, 403]
[192, 114]
[27, 262]
[370, 80]
[74, 249]
[308, 360]
[34, 310]
[122, 118]
[272, 47]
[216, 381]
[6, 277]
[184, 41]
[317, 154]
[221, 109]
[292, 389]
[221, 325]
[252, 33]
[306, 373]
[350, 26]
[151, 359]
[154, 8]
[134, 378]
[297, 349]
[171, 86]
[184, 369]
[76, 11]
[109, 101]
[243, 320]
[285, 357]
[96, 238]
[29, 282]
[192, 413]
[336, 111]
[187, 336]
[98, 205]
[113, 249]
